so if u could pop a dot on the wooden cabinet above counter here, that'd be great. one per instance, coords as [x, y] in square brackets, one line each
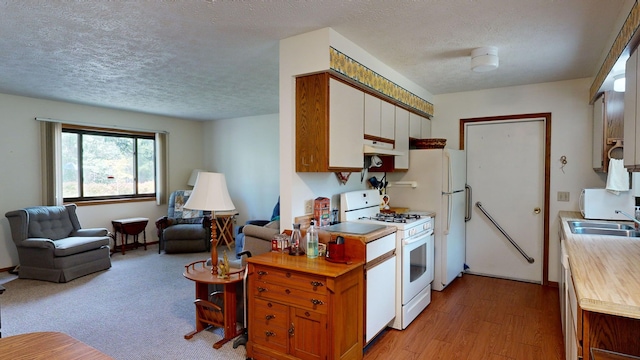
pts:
[329, 125]
[334, 117]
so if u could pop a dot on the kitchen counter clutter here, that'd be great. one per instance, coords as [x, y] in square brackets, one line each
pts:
[605, 270]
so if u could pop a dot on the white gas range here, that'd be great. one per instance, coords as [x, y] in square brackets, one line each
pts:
[414, 249]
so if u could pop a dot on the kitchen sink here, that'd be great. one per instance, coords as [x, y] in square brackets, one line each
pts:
[600, 225]
[602, 228]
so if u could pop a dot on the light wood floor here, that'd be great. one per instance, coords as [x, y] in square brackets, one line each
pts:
[479, 317]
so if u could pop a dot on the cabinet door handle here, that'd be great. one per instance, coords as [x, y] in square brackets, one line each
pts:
[292, 330]
[316, 284]
[269, 333]
[261, 289]
[316, 302]
[269, 317]
[262, 272]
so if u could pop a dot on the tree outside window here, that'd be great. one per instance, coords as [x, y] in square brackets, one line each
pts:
[100, 165]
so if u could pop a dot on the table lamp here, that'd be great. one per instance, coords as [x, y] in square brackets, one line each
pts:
[210, 194]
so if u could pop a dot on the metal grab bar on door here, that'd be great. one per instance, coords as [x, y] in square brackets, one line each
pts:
[530, 260]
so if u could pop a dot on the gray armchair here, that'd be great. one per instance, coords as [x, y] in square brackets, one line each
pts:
[53, 247]
[183, 230]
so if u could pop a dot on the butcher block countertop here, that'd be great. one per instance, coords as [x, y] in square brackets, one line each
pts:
[605, 270]
[319, 265]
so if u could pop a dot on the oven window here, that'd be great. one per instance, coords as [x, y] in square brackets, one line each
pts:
[418, 261]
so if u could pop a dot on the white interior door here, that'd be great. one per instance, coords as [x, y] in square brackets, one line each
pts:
[505, 169]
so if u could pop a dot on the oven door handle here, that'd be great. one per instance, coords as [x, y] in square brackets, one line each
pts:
[417, 238]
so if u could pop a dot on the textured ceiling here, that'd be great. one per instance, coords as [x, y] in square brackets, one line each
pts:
[209, 60]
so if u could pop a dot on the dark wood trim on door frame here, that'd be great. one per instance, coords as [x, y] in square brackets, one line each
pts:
[547, 173]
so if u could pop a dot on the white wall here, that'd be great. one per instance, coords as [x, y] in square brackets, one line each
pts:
[20, 178]
[246, 150]
[571, 134]
[305, 54]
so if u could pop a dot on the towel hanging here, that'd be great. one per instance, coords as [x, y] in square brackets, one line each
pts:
[617, 177]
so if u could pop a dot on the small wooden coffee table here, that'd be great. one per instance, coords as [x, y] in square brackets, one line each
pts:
[126, 227]
[206, 315]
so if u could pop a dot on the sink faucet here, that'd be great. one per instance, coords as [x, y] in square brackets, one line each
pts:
[627, 215]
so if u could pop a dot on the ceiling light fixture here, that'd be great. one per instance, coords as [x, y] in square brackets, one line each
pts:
[484, 59]
[619, 83]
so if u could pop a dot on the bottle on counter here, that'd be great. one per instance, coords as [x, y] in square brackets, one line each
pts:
[312, 241]
[296, 238]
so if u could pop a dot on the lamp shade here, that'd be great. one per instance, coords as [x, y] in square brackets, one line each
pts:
[484, 59]
[193, 177]
[210, 193]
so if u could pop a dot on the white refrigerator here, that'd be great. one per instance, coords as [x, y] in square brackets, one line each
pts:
[436, 182]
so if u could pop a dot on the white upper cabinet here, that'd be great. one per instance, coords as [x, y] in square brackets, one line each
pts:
[346, 131]
[630, 150]
[387, 120]
[379, 117]
[402, 138]
[415, 126]
[426, 128]
[372, 118]
[419, 127]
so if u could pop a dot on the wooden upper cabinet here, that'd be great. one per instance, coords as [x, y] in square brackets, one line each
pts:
[608, 125]
[329, 125]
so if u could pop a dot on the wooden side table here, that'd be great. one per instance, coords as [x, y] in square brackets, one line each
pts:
[206, 312]
[126, 227]
[224, 222]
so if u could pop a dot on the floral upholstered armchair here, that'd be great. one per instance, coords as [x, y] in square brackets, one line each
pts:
[183, 230]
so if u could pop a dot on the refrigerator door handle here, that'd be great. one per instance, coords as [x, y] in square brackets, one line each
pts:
[469, 196]
[447, 157]
[448, 212]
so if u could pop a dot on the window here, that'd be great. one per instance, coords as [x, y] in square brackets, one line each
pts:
[103, 164]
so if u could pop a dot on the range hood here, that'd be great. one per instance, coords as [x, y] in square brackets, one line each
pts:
[372, 147]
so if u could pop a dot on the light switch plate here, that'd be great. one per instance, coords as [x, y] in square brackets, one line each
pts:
[563, 196]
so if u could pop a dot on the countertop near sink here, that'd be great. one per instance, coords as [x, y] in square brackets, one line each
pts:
[605, 270]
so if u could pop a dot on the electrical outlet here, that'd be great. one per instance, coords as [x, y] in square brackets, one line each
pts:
[308, 207]
[563, 196]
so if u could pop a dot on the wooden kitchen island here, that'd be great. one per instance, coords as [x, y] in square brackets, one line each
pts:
[605, 276]
[304, 308]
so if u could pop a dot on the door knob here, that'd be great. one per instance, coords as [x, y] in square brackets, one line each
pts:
[536, 210]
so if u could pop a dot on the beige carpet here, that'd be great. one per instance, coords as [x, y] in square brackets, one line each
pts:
[139, 309]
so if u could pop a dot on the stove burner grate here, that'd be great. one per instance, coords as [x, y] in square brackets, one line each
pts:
[394, 218]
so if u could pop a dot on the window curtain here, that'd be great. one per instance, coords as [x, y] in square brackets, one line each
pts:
[51, 143]
[162, 172]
